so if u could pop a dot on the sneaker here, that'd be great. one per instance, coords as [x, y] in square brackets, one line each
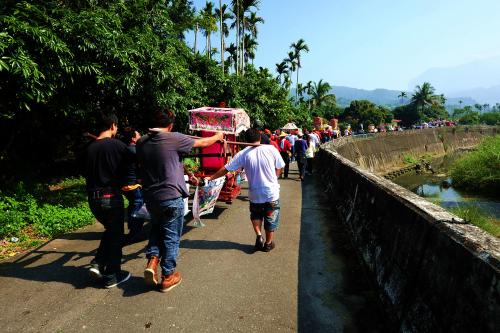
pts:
[151, 271]
[259, 243]
[268, 247]
[95, 270]
[113, 280]
[170, 281]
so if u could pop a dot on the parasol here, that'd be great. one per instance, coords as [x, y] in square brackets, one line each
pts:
[290, 126]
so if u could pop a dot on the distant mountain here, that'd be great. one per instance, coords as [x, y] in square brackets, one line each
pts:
[479, 80]
[384, 97]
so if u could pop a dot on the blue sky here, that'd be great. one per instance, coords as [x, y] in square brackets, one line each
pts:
[375, 43]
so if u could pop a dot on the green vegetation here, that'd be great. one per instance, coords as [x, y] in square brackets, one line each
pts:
[479, 170]
[32, 213]
[424, 106]
[477, 217]
[409, 159]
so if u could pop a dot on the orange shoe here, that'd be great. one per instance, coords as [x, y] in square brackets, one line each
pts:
[170, 281]
[151, 271]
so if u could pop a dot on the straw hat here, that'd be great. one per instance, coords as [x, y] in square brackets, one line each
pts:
[283, 134]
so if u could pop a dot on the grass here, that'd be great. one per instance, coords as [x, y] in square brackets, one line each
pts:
[479, 218]
[479, 171]
[33, 213]
[409, 159]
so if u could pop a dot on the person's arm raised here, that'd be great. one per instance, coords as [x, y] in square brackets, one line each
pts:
[205, 142]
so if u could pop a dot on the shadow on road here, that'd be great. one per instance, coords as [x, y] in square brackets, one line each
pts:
[216, 245]
[333, 295]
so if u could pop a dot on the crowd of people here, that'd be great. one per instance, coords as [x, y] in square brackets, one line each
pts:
[149, 169]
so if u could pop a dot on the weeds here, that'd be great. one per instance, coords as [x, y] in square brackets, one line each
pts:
[479, 170]
[479, 218]
[38, 211]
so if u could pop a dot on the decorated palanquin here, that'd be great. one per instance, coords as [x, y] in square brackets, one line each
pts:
[204, 121]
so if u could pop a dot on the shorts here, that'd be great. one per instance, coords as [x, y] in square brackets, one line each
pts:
[268, 211]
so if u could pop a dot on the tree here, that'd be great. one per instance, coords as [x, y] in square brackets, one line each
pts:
[320, 94]
[292, 65]
[429, 105]
[223, 15]
[232, 60]
[250, 47]
[366, 113]
[251, 23]
[402, 95]
[282, 69]
[298, 48]
[209, 25]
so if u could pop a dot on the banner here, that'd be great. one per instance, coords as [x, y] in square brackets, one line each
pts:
[205, 198]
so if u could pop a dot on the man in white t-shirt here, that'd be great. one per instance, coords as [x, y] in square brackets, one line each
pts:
[263, 165]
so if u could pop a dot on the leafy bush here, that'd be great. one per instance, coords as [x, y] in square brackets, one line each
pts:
[480, 169]
[48, 210]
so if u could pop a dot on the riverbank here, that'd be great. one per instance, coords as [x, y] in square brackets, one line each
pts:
[480, 210]
[479, 171]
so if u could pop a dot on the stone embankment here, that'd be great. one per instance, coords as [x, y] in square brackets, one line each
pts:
[385, 152]
[434, 272]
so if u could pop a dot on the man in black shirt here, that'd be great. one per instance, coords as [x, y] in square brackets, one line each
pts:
[106, 158]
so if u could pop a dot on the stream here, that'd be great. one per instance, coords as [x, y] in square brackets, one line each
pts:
[438, 188]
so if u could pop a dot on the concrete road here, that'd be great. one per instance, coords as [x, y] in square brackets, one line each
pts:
[309, 282]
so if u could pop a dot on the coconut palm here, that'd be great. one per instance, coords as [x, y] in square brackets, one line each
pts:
[222, 13]
[423, 96]
[402, 95]
[299, 47]
[320, 93]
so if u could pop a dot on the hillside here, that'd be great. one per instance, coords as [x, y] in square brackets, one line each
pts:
[384, 97]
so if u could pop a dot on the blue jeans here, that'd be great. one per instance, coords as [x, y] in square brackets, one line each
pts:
[135, 202]
[167, 220]
[109, 211]
[269, 212]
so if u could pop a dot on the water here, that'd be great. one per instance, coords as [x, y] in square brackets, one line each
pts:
[438, 188]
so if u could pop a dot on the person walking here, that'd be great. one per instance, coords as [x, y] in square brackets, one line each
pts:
[285, 149]
[164, 190]
[105, 161]
[309, 155]
[131, 188]
[263, 165]
[300, 155]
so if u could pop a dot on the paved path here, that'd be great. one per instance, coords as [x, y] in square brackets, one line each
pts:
[225, 288]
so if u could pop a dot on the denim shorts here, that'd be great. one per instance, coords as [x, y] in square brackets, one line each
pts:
[268, 211]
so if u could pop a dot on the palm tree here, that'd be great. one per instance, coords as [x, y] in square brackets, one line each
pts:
[209, 25]
[299, 47]
[246, 5]
[236, 9]
[423, 96]
[223, 15]
[402, 95]
[251, 23]
[232, 60]
[292, 63]
[250, 47]
[320, 93]
[282, 69]
[196, 27]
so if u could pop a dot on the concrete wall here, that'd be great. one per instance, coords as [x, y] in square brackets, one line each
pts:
[434, 275]
[384, 152]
